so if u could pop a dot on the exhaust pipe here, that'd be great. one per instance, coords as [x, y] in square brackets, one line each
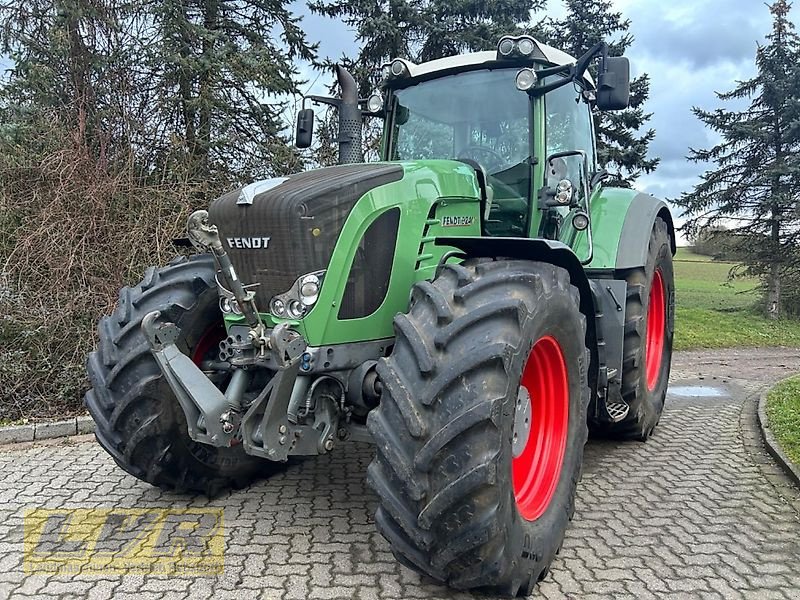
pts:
[349, 119]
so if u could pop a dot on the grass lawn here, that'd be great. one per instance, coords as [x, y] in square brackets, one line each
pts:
[712, 312]
[783, 414]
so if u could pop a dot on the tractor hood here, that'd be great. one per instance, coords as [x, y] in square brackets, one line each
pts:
[279, 229]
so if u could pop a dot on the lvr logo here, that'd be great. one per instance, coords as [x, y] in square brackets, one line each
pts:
[124, 541]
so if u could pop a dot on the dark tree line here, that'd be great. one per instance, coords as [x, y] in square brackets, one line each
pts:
[190, 90]
[119, 117]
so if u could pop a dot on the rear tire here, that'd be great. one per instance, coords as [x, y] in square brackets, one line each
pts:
[649, 313]
[138, 419]
[444, 430]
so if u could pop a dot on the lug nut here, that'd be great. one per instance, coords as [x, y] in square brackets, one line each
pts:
[282, 429]
[282, 441]
[329, 444]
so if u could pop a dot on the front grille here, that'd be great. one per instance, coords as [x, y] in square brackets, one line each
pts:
[302, 217]
[369, 276]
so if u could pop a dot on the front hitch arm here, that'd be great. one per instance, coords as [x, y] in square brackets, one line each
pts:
[265, 425]
[211, 416]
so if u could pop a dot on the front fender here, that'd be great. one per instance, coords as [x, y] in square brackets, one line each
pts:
[542, 250]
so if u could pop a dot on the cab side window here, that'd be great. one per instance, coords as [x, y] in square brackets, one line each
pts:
[569, 122]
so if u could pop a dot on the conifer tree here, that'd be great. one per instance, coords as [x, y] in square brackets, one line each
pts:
[194, 88]
[222, 70]
[622, 146]
[754, 182]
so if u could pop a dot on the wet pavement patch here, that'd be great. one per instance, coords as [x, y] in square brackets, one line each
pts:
[698, 391]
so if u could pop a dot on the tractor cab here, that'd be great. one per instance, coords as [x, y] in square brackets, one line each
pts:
[521, 116]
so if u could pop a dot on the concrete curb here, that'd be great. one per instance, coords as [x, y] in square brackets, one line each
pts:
[773, 447]
[46, 430]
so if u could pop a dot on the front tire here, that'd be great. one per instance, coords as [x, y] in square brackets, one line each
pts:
[462, 500]
[138, 420]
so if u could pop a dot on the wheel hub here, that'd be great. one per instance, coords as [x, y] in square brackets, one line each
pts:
[522, 421]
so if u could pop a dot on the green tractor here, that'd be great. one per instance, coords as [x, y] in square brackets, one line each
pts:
[472, 304]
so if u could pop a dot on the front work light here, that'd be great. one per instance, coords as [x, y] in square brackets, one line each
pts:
[526, 79]
[398, 68]
[375, 103]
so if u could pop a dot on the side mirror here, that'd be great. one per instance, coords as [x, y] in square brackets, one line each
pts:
[304, 132]
[614, 84]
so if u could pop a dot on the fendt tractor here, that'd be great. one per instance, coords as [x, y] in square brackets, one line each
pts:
[473, 304]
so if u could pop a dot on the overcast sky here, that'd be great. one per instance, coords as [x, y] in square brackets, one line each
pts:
[690, 48]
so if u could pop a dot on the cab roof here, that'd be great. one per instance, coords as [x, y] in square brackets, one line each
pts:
[487, 58]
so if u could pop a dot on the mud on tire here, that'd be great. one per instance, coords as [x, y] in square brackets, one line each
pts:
[443, 429]
[138, 420]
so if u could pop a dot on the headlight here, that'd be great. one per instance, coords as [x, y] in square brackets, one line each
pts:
[278, 307]
[506, 46]
[295, 309]
[525, 46]
[564, 192]
[398, 68]
[229, 305]
[300, 298]
[309, 290]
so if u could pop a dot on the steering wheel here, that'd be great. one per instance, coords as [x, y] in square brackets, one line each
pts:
[491, 158]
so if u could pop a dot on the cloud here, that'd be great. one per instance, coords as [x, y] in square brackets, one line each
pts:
[698, 34]
[690, 50]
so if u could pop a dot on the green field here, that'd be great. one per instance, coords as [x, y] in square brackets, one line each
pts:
[783, 413]
[714, 312]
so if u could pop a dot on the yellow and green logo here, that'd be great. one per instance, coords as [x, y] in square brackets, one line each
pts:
[124, 541]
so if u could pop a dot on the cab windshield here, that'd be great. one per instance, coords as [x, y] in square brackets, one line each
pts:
[478, 116]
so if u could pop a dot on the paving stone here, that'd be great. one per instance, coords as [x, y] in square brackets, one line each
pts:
[700, 511]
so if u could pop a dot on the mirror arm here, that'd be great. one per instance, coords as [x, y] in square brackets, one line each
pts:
[573, 72]
[322, 100]
[542, 73]
[584, 61]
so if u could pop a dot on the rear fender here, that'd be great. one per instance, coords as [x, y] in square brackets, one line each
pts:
[622, 221]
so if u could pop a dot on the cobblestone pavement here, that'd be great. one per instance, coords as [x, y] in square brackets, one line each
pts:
[700, 511]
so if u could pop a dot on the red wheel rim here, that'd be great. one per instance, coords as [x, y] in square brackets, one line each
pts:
[210, 339]
[656, 324]
[537, 469]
